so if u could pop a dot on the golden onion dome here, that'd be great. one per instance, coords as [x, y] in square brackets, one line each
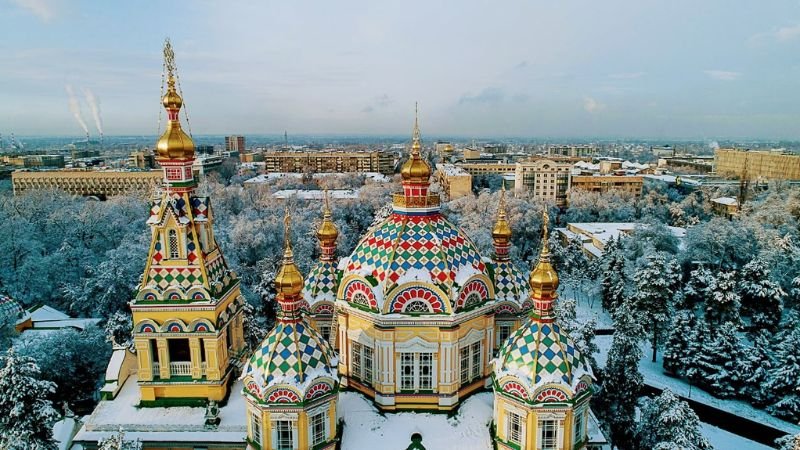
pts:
[543, 280]
[289, 281]
[327, 232]
[502, 230]
[174, 143]
[415, 168]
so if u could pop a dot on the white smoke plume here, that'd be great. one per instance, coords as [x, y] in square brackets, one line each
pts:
[94, 105]
[75, 108]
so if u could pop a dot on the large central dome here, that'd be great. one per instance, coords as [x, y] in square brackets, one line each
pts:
[415, 262]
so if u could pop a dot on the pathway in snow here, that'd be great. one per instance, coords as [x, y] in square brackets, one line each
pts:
[724, 440]
[366, 429]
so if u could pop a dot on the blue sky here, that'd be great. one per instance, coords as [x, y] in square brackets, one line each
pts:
[669, 69]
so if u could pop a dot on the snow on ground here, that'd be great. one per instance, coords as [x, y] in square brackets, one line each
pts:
[366, 429]
[654, 376]
[592, 309]
[724, 440]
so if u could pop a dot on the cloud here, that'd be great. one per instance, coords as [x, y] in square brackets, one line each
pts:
[488, 96]
[782, 34]
[722, 75]
[42, 9]
[626, 75]
[592, 106]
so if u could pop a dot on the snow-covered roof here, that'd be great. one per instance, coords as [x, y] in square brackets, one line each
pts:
[266, 177]
[47, 313]
[728, 201]
[451, 170]
[162, 424]
[63, 431]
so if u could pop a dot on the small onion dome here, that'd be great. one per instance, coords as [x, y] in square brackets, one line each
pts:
[289, 281]
[174, 143]
[416, 168]
[327, 232]
[543, 280]
[502, 230]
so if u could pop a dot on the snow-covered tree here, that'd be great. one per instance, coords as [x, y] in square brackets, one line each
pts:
[676, 348]
[119, 330]
[622, 380]
[668, 423]
[723, 353]
[724, 302]
[581, 332]
[613, 281]
[657, 282]
[695, 362]
[255, 326]
[698, 288]
[762, 298]
[757, 362]
[784, 378]
[117, 442]
[26, 412]
[74, 360]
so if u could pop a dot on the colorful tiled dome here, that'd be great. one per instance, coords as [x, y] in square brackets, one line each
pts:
[10, 310]
[510, 287]
[425, 249]
[321, 283]
[294, 360]
[541, 353]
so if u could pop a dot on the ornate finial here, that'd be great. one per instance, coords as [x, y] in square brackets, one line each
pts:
[545, 224]
[501, 233]
[287, 233]
[169, 59]
[416, 138]
[327, 210]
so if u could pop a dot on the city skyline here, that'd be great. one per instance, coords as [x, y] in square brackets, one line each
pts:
[529, 69]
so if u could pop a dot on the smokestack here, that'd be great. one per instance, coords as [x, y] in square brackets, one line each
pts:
[75, 108]
[94, 105]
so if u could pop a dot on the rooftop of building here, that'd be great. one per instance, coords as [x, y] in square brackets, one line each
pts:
[316, 194]
[451, 170]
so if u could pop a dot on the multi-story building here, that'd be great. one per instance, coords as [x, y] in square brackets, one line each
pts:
[234, 143]
[34, 161]
[142, 160]
[725, 206]
[96, 183]
[487, 168]
[546, 179]
[251, 157]
[455, 181]
[575, 151]
[753, 165]
[605, 183]
[329, 161]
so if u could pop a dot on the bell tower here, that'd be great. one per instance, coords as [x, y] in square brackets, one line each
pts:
[187, 312]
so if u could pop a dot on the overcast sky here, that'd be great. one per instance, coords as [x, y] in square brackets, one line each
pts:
[671, 69]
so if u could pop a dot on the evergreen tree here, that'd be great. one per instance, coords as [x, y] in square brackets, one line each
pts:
[117, 442]
[784, 377]
[668, 423]
[762, 298]
[657, 282]
[724, 303]
[254, 325]
[695, 354]
[26, 413]
[714, 365]
[676, 348]
[119, 328]
[265, 289]
[613, 276]
[756, 366]
[581, 332]
[622, 380]
[698, 288]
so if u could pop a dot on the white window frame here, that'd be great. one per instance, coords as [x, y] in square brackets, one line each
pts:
[414, 380]
[500, 327]
[325, 331]
[277, 442]
[255, 428]
[552, 442]
[362, 362]
[579, 425]
[514, 433]
[470, 362]
[319, 419]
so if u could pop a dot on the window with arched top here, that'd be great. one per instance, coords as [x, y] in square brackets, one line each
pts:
[173, 244]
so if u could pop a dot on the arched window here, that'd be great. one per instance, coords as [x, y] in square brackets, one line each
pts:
[173, 245]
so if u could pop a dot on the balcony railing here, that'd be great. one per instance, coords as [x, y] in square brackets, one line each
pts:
[180, 368]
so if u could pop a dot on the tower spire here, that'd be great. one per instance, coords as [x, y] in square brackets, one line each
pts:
[174, 149]
[543, 280]
[501, 233]
[289, 281]
[416, 172]
[327, 232]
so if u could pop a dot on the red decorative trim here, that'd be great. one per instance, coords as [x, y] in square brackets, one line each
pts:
[516, 389]
[283, 396]
[551, 395]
